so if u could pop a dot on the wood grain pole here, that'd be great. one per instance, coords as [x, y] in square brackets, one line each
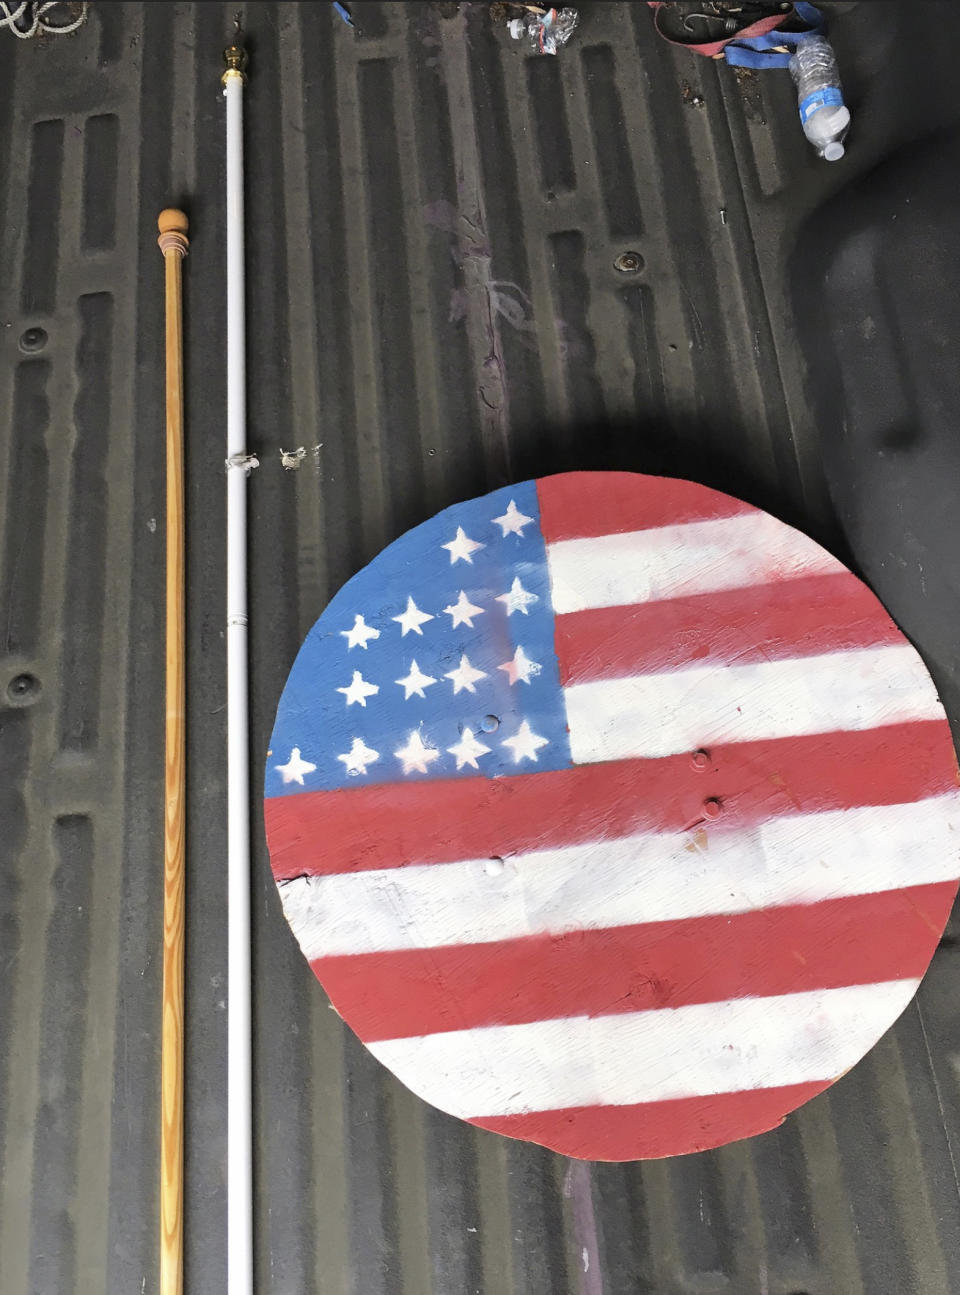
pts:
[173, 243]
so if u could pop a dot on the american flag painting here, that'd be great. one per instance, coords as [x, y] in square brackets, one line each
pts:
[613, 814]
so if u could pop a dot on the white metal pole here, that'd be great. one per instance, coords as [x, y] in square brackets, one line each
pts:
[239, 1076]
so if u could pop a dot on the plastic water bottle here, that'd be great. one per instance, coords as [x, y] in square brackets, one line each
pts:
[825, 117]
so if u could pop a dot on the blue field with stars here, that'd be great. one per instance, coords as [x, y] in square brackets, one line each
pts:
[435, 661]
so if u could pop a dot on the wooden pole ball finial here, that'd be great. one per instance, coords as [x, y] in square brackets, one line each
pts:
[173, 226]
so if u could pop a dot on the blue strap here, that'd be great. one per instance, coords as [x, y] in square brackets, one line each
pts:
[761, 51]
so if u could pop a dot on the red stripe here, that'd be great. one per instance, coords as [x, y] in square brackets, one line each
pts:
[654, 1129]
[388, 825]
[578, 505]
[761, 623]
[857, 940]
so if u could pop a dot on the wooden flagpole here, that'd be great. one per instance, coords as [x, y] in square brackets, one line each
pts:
[173, 243]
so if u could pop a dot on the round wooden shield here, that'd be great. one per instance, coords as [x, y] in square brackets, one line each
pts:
[613, 814]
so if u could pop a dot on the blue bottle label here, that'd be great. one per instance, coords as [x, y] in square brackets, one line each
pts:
[829, 96]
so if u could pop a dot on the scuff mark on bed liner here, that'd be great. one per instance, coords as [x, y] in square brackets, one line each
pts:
[577, 1189]
[480, 302]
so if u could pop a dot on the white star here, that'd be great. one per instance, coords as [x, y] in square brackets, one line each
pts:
[465, 676]
[412, 619]
[359, 634]
[513, 520]
[415, 682]
[525, 743]
[467, 750]
[462, 611]
[359, 690]
[296, 767]
[415, 755]
[462, 547]
[518, 599]
[358, 757]
[521, 667]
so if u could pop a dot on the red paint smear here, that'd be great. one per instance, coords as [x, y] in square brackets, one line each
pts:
[857, 940]
[391, 825]
[580, 505]
[653, 1129]
[761, 623]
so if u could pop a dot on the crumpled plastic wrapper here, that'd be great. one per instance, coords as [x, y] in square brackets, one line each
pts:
[545, 33]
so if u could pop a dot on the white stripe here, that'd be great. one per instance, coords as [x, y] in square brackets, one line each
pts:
[745, 1043]
[675, 561]
[663, 714]
[650, 878]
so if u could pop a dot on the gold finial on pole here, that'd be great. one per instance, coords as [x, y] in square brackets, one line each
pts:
[235, 58]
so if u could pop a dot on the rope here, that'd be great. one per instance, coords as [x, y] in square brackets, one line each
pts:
[34, 15]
